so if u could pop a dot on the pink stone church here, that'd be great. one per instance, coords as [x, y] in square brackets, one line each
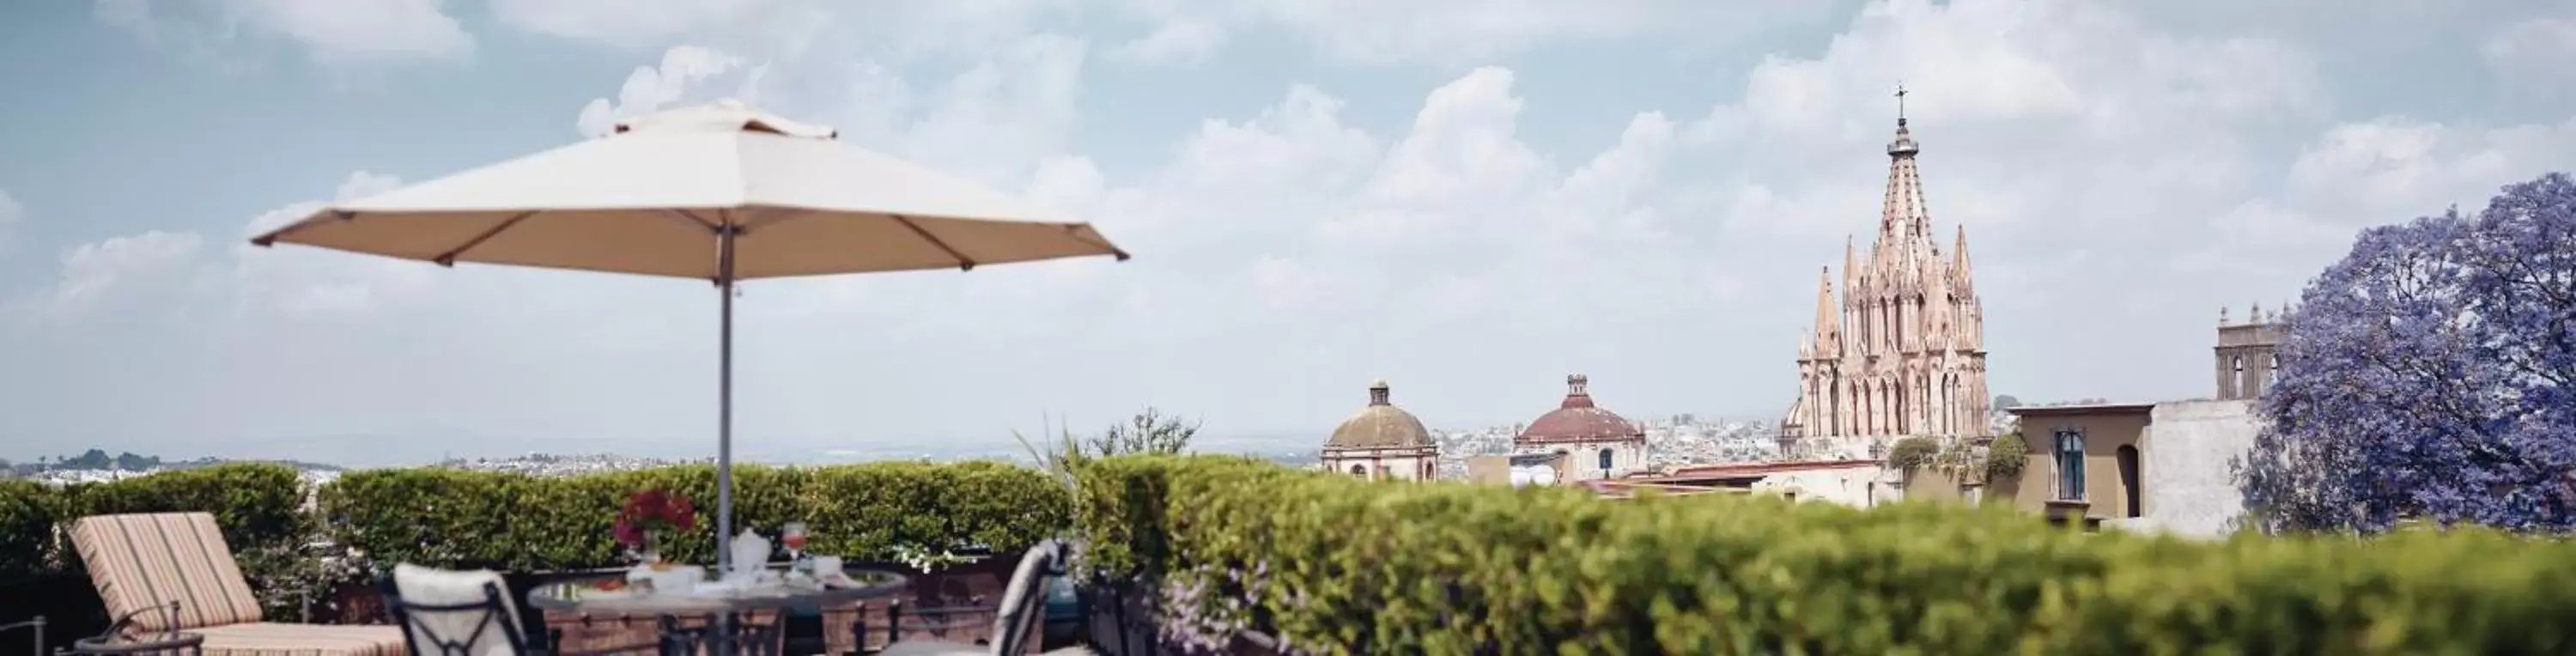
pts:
[1902, 353]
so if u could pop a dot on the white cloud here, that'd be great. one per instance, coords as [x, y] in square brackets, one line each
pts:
[296, 280]
[1444, 32]
[1177, 43]
[302, 281]
[2390, 169]
[2533, 54]
[1451, 32]
[784, 29]
[1006, 111]
[333, 34]
[11, 213]
[621, 22]
[1448, 175]
[650, 89]
[93, 271]
[362, 31]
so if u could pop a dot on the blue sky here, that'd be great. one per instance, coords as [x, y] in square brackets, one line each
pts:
[1468, 199]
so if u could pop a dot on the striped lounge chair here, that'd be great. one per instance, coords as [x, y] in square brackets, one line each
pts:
[145, 562]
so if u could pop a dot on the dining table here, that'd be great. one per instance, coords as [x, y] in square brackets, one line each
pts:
[723, 600]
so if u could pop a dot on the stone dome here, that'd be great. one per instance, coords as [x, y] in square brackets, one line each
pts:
[1578, 420]
[1381, 425]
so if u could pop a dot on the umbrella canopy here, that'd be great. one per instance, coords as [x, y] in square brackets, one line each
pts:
[653, 198]
[719, 192]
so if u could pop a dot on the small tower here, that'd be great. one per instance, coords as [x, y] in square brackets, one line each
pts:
[2248, 354]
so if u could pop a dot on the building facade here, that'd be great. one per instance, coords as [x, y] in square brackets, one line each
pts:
[2249, 354]
[1382, 442]
[2164, 467]
[1901, 352]
[1597, 443]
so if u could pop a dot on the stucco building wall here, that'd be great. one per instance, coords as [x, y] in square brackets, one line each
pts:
[1384, 464]
[2106, 429]
[2191, 446]
[1583, 459]
[1858, 486]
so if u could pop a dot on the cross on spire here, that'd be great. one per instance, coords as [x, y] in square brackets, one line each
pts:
[1900, 104]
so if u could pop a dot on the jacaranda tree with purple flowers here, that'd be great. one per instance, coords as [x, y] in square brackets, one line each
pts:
[2431, 374]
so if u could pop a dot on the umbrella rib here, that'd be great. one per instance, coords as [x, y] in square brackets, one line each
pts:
[1074, 230]
[448, 259]
[963, 264]
[270, 239]
[692, 219]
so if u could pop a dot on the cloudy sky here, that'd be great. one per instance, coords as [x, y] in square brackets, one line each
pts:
[1468, 199]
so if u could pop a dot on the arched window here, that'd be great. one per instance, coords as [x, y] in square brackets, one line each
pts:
[2276, 363]
[1605, 460]
[2130, 477]
[2239, 363]
[1359, 470]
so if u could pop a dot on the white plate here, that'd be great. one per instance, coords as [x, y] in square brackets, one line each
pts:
[596, 594]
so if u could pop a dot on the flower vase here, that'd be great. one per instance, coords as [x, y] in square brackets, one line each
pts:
[652, 554]
[661, 576]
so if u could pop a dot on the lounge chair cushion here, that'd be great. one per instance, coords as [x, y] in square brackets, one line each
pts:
[149, 560]
[265, 639]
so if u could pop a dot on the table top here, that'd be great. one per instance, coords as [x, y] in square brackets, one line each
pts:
[126, 644]
[716, 596]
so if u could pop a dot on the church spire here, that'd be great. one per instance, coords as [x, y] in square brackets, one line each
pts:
[1854, 286]
[1904, 214]
[1828, 323]
[1959, 267]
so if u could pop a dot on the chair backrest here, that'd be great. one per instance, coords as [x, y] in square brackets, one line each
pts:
[1014, 622]
[444, 613]
[146, 561]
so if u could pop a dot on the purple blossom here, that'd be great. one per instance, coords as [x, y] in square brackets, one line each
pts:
[1202, 609]
[2431, 373]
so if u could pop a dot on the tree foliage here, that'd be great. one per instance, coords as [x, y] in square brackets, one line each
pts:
[1149, 432]
[2006, 456]
[2429, 374]
[1912, 452]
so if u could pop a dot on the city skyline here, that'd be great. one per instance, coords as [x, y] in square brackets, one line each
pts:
[1316, 199]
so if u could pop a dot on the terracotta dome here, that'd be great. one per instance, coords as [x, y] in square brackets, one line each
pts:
[1578, 420]
[1381, 425]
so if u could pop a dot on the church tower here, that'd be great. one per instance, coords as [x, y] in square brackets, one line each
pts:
[1902, 351]
[2249, 354]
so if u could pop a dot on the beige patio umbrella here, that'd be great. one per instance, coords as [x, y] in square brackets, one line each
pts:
[719, 192]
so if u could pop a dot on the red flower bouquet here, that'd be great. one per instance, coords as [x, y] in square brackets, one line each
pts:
[650, 514]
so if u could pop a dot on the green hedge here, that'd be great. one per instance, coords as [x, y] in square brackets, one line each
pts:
[458, 518]
[451, 518]
[255, 504]
[1337, 565]
[27, 513]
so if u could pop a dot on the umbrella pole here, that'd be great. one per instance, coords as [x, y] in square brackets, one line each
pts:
[724, 397]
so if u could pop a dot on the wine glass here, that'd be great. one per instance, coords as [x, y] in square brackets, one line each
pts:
[794, 535]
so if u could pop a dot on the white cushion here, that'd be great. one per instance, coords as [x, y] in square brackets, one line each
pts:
[424, 586]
